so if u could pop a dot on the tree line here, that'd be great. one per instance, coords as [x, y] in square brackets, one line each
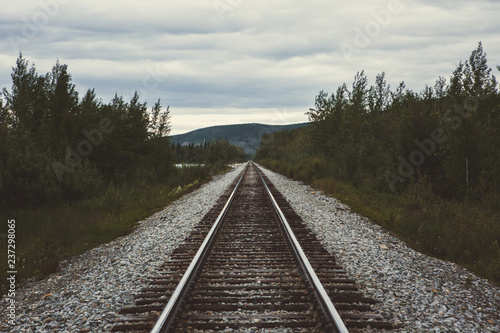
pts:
[438, 145]
[209, 152]
[56, 145]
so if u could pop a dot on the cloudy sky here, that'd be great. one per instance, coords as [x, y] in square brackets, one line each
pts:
[237, 61]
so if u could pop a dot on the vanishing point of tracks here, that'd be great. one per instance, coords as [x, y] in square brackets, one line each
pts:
[251, 263]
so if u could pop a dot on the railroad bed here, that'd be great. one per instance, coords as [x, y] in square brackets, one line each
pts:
[252, 276]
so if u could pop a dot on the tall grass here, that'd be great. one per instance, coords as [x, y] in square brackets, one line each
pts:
[46, 235]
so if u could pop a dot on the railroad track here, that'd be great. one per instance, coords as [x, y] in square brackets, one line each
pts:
[250, 263]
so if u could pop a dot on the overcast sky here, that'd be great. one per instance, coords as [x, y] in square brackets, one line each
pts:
[238, 61]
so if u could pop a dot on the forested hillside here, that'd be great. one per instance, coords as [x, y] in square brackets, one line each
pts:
[210, 152]
[425, 165]
[246, 136]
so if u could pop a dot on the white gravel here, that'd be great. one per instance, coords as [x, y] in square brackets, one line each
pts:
[420, 293]
[90, 289]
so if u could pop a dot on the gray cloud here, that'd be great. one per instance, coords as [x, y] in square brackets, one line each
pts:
[243, 57]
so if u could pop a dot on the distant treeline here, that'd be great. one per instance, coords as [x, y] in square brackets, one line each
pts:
[433, 157]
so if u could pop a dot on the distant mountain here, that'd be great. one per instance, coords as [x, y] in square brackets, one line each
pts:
[242, 135]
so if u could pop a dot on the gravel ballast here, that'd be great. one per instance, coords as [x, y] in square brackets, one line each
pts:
[419, 293]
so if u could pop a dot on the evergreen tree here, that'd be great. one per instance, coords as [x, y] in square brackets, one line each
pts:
[22, 98]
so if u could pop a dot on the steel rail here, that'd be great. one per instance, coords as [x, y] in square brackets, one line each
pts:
[168, 314]
[326, 304]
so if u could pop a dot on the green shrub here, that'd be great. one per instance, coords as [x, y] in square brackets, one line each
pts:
[327, 185]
